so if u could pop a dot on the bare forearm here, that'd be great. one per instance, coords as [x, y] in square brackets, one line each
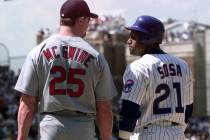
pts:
[104, 122]
[25, 116]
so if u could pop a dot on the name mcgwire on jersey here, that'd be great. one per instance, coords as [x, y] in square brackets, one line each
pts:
[69, 52]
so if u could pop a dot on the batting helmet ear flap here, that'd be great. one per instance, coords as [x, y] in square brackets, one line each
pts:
[144, 38]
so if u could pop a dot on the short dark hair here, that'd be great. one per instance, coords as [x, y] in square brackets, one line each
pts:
[68, 21]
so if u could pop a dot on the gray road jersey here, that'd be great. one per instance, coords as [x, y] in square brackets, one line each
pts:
[66, 73]
[162, 85]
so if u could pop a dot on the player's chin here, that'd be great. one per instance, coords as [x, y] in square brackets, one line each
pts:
[130, 48]
[132, 51]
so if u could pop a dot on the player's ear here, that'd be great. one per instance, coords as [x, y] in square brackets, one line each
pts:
[80, 20]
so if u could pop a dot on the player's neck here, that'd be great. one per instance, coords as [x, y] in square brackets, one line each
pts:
[68, 31]
[155, 51]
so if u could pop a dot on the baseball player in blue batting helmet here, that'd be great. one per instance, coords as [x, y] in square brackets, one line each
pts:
[151, 29]
[157, 98]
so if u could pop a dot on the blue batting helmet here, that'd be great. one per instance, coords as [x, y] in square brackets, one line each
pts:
[150, 28]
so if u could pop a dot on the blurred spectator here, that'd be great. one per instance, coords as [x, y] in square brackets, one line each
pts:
[8, 105]
[42, 34]
[108, 24]
[198, 129]
[179, 31]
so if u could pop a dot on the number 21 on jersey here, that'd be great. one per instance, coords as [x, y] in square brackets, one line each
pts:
[166, 92]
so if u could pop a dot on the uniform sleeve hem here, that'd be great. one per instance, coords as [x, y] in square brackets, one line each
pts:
[124, 134]
[23, 91]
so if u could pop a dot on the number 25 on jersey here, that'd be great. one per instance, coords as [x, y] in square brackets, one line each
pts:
[68, 75]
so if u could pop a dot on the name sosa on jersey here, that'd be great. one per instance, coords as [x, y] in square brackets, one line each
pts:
[69, 52]
[169, 70]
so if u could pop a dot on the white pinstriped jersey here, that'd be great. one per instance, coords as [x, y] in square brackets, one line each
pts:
[66, 73]
[162, 85]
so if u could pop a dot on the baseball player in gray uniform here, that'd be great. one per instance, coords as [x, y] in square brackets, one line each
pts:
[68, 82]
[157, 98]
